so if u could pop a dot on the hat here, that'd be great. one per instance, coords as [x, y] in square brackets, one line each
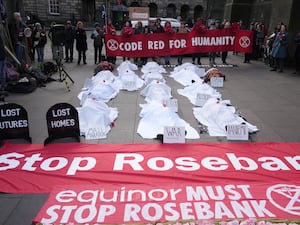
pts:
[37, 25]
[68, 22]
[96, 24]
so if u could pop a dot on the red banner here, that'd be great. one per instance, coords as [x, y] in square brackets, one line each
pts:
[135, 204]
[37, 169]
[162, 44]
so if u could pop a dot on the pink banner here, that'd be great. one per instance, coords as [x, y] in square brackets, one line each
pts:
[135, 204]
[162, 44]
[37, 169]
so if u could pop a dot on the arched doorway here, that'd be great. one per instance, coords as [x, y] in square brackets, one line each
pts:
[152, 10]
[198, 12]
[184, 12]
[171, 11]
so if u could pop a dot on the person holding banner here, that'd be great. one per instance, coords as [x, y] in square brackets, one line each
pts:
[126, 32]
[168, 29]
[109, 28]
[182, 30]
[198, 28]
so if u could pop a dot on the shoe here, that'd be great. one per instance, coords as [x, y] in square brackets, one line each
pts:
[78, 63]
[280, 71]
[84, 63]
[273, 69]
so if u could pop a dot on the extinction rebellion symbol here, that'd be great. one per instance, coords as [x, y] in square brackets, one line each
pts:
[285, 197]
[112, 45]
[244, 42]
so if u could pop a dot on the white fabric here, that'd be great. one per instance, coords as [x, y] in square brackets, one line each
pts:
[156, 91]
[155, 117]
[126, 65]
[198, 87]
[150, 76]
[216, 115]
[102, 91]
[104, 75]
[153, 67]
[190, 67]
[128, 76]
[95, 114]
[185, 77]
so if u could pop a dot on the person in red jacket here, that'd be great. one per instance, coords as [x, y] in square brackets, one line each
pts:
[198, 28]
[168, 29]
[127, 31]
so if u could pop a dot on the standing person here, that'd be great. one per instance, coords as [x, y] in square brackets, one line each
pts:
[182, 30]
[139, 29]
[199, 28]
[279, 51]
[109, 28]
[39, 40]
[297, 53]
[97, 35]
[81, 44]
[127, 31]
[69, 42]
[224, 55]
[168, 29]
[2, 62]
[248, 55]
[212, 55]
[17, 34]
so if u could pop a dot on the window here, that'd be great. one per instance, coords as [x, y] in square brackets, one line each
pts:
[54, 7]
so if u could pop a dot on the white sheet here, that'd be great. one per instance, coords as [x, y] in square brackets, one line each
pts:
[156, 91]
[190, 67]
[199, 87]
[153, 67]
[95, 114]
[155, 117]
[128, 80]
[215, 114]
[185, 77]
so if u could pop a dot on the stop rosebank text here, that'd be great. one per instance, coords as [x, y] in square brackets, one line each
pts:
[137, 162]
[129, 204]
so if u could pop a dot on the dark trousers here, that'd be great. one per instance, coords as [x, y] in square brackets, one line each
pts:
[198, 56]
[97, 52]
[69, 46]
[279, 63]
[224, 56]
[81, 52]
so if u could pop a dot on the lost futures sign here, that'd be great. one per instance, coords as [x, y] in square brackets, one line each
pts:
[13, 122]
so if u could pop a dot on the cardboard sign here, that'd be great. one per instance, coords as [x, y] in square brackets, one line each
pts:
[217, 81]
[238, 132]
[174, 135]
[94, 133]
[13, 122]
[62, 122]
[172, 104]
[201, 99]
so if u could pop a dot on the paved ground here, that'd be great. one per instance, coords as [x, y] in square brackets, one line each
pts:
[269, 100]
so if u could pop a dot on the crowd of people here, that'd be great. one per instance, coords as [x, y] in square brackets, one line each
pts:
[269, 47]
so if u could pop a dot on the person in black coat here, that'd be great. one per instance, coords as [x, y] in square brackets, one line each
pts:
[69, 41]
[81, 44]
